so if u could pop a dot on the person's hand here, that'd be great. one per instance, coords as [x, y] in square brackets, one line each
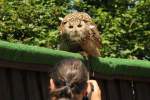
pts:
[52, 85]
[94, 89]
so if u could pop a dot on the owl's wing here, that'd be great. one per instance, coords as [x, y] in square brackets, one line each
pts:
[95, 36]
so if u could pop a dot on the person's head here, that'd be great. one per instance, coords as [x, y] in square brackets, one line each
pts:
[68, 80]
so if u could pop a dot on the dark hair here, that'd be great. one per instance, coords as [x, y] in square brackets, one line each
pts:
[70, 77]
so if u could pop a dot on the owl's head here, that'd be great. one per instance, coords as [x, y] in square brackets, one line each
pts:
[76, 30]
[76, 25]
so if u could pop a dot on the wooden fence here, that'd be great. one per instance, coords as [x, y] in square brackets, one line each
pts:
[24, 83]
[24, 74]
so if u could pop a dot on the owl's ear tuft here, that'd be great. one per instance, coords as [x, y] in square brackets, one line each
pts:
[92, 26]
[61, 19]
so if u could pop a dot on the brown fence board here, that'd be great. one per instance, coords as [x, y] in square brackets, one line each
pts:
[116, 89]
[142, 90]
[43, 81]
[112, 90]
[5, 92]
[24, 66]
[18, 90]
[32, 86]
[126, 90]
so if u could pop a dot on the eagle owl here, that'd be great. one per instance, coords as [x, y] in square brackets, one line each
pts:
[79, 34]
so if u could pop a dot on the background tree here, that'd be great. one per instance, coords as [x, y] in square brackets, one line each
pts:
[125, 24]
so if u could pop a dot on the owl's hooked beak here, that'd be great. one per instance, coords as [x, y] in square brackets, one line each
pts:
[75, 32]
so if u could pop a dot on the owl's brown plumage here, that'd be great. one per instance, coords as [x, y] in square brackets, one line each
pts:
[79, 33]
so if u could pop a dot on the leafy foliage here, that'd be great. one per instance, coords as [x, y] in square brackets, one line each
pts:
[124, 24]
[29, 23]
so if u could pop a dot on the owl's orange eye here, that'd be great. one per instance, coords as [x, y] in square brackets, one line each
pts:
[70, 26]
[79, 25]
